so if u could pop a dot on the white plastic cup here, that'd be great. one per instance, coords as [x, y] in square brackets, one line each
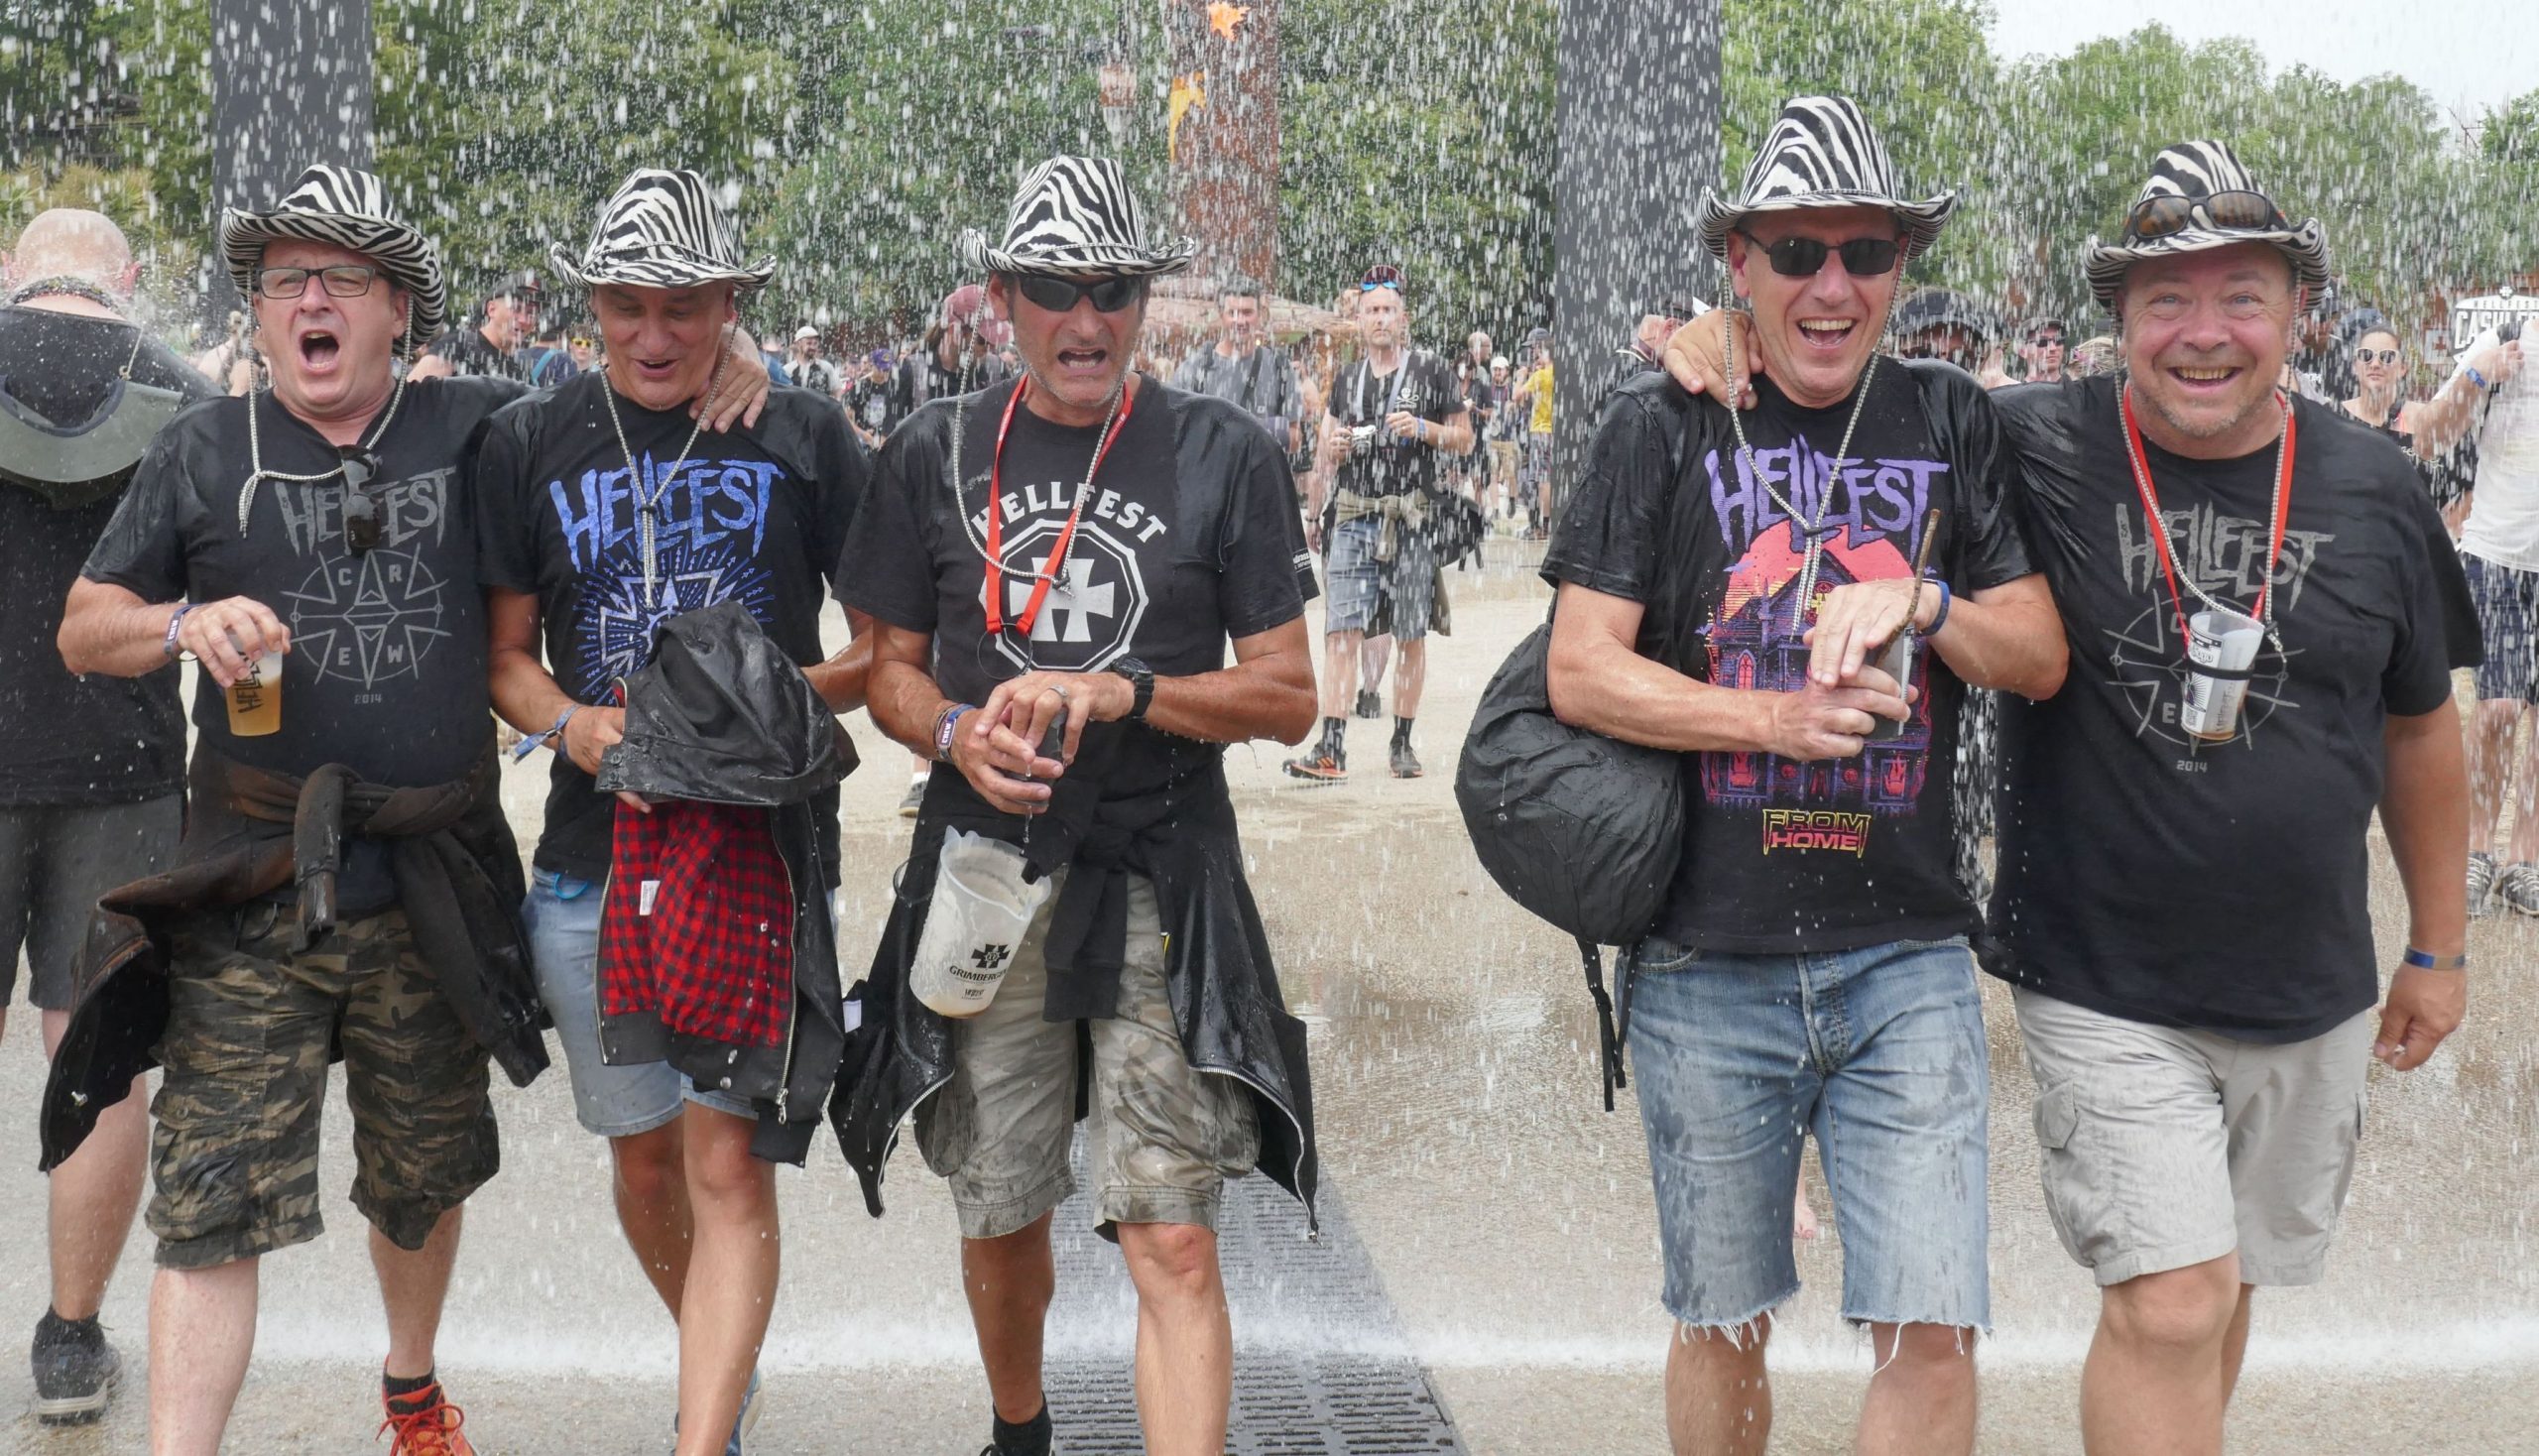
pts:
[975, 926]
[255, 700]
[2221, 647]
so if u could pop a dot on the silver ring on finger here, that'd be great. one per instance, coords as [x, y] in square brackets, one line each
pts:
[1061, 691]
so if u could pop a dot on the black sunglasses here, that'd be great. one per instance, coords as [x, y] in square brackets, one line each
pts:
[1060, 294]
[343, 280]
[361, 511]
[2376, 356]
[2160, 217]
[1805, 257]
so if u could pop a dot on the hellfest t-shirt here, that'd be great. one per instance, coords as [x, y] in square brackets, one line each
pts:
[2223, 886]
[74, 741]
[1782, 856]
[386, 673]
[755, 516]
[1167, 565]
[1422, 385]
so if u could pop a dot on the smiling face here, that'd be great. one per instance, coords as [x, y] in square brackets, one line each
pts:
[330, 356]
[2369, 372]
[2206, 334]
[663, 343]
[1815, 333]
[509, 321]
[1076, 359]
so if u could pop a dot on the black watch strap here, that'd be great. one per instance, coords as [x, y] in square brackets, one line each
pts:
[1141, 683]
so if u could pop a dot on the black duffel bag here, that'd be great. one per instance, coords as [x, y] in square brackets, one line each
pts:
[1583, 830]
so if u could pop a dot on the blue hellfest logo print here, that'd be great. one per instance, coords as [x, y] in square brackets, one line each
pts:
[707, 546]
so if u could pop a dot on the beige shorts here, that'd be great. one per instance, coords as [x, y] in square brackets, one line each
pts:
[1162, 1136]
[2163, 1149]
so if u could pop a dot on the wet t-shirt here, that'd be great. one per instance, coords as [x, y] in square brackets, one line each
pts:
[74, 741]
[386, 673]
[753, 516]
[469, 352]
[2153, 876]
[1188, 539]
[1423, 385]
[1782, 856]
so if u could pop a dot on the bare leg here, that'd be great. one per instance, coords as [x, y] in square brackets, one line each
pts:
[1922, 1402]
[1719, 1402]
[1340, 672]
[2154, 1384]
[1412, 678]
[2234, 1345]
[2490, 754]
[650, 1186]
[203, 1327]
[94, 1194]
[1373, 654]
[2526, 802]
[414, 1285]
[731, 1283]
[1185, 1340]
[1009, 1281]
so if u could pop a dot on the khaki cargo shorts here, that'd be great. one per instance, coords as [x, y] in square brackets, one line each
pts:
[1162, 1136]
[251, 1024]
[2162, 1147]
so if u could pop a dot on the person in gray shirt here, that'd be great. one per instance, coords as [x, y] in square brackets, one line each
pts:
[1244, 367]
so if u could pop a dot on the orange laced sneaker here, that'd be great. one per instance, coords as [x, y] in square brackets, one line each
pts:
[426, 1424]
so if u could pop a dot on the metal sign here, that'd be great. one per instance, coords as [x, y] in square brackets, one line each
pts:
[2471, 318]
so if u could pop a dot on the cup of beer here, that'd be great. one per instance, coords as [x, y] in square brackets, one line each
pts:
[255, 700]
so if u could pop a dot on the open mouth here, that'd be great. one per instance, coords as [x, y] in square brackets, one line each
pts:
[319, 348]
[656, 369]
[1083, 361]
[1826, 333]
[2204, 376]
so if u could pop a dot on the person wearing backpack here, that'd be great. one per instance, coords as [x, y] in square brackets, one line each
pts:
[1730, 587]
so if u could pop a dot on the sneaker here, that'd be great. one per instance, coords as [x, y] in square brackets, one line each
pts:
[76, 1371]
[1405, 763]
[1371, 703]
[911, 801]
[2481, 883]
[751, 1409]
[426, 1423]
[1323, 765]
[2518, 888]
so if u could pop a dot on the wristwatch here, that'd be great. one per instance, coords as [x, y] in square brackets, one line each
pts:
[1141, 681]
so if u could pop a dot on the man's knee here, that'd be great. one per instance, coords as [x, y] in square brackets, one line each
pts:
[1936, 1350]
[2179, 1310]
[1170, 1258]
[1721, 1346]
[649, 1165]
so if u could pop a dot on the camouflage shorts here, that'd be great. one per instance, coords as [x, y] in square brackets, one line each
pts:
[251, 1025]
[1162, 1136]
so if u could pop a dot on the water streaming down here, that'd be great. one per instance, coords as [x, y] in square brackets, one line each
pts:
[1494, 1229]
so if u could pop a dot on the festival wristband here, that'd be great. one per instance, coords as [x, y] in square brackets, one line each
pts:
[175, 621]
[2474, 377]
[947, 723]
[554, 737]
[2424, 960]
[1939, 617]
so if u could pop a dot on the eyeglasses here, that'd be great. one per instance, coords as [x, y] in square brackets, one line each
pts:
[1805, 257]
[343, 280]
[2160, 217]
[2375, 356]
[2045, 340]
[1060, 294]
[361, 510]
[1382, 276]
[581, 342]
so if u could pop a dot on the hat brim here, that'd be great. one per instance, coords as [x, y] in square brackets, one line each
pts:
[1109, 259]
[398, 250]
[656, 267]
[2306, 246]
[1922, 220]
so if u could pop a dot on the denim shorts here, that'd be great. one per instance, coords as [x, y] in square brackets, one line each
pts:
[2508, 616]
[563, 916]
[1880, 1053]
[1379, 597]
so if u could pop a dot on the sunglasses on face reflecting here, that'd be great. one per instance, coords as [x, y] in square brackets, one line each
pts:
[1805, 257]
[2160, 217]
[1382, 276]
[361, 510]
[1060, 294]
[581, 343]
[343, 280]
[2376, 356]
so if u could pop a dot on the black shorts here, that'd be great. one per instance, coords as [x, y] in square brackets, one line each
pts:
[54, 864]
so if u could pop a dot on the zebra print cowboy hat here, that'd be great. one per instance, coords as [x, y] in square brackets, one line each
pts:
[2200, 175]
[662, 230]
[349, 210]
[1076, 215]
[1821, 152]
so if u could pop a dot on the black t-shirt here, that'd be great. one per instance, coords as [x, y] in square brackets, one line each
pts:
[1424, 385]
[470, 352]
[2149, 876]
[63, 740]
[1188, 539]
[757, 516]
[873, 403]
[921, 379]
[1784, 856]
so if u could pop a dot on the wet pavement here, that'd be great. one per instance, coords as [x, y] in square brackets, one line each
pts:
[1508, 1246]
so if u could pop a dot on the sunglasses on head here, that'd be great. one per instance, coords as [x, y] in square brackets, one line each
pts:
[2160, 217]
[1382, 276]
[1805, 257]
[361, 510]
[1060, 294]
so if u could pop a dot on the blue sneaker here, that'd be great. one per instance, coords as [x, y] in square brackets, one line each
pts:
[750, 1411]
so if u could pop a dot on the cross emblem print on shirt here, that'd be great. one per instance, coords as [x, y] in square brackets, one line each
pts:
[1073, 594]
[989, 958]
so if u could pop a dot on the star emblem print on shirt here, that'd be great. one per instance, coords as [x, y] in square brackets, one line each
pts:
[367, 619]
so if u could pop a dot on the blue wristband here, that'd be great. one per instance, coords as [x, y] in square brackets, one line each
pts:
[1939, 619]
[2424, 960]
[554, 737]
[2474, 377]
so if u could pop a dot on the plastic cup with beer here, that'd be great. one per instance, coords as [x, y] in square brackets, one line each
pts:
[255, 699]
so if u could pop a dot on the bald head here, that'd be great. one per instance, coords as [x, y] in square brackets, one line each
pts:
[70, 242]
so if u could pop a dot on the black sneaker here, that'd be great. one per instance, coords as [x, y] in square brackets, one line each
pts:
[2517, 889]
[1322, 766]
[76, 1371]
[1371, 703]
[2481, 883]
[1405, 763]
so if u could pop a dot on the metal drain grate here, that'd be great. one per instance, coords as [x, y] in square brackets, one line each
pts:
[1321, 1366]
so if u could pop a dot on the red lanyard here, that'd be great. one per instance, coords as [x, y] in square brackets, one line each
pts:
[1041, 580]
[2159, 528]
